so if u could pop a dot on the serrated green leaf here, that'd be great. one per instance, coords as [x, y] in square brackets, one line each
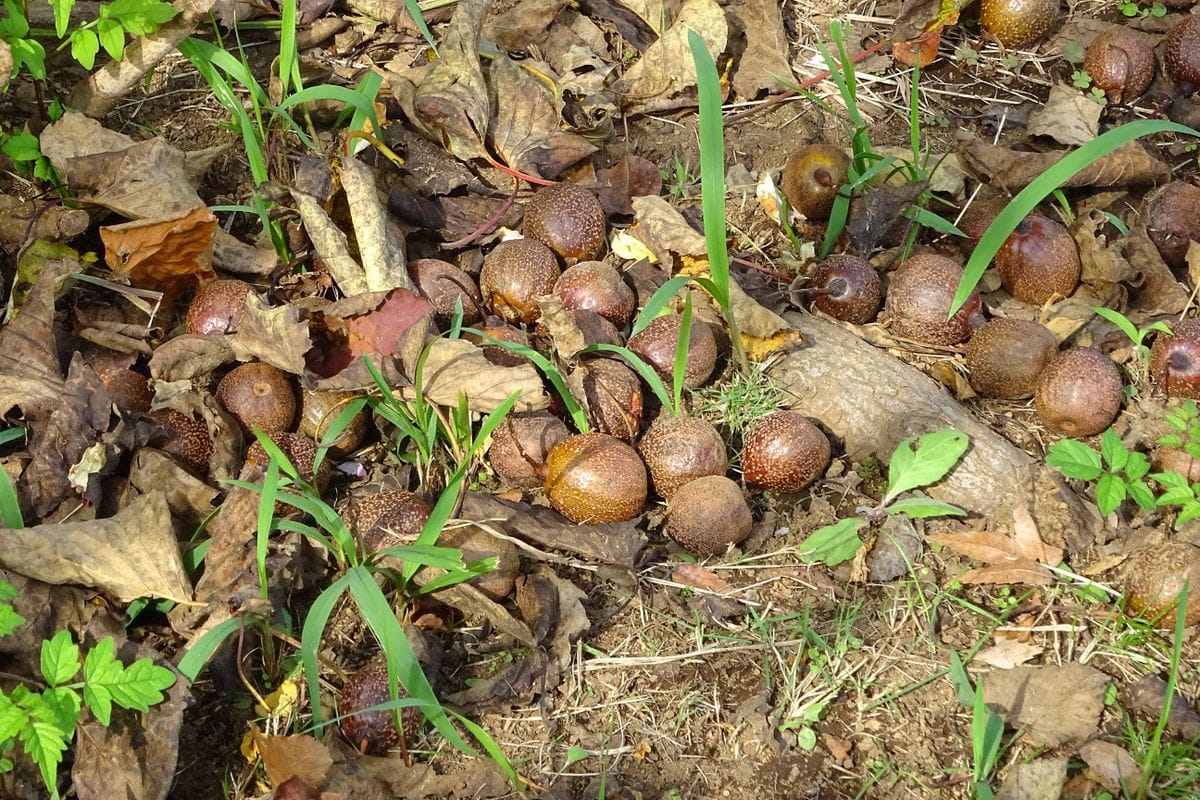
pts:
[924, 507]
[1075, 460]
[99, 700]
[62, 16]
[21, 147]
[100, 669]
[1113, 451]
[1189, 512]
[1141, 494]
[85, 45]
[9, 620]
[832, 544]
[8, 591]
[30, 54]
[60, 707]
[936, 455]
[112, 38]
[1110, 493]
[1176, 496]
[141, 685]
[60, 659]
[1137, 467]
[1170, 478]
[12, 718]
[44, 743]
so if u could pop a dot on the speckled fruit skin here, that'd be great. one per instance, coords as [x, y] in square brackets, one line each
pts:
[477, 544]
[520, 445]
[499, 330]
[1018, 23]
[217, 307]
[919, 299]
[1175, 360]
[1176, 459]
[847, 288]
[187, 439]
[657, 341]
[1039, 261]
[784, 452]
[300, 450]
[1079, 393]
[613, 393]
[568, 219]
[599, 287]
[1181, 54]
[678, 450]
[1005, 357]
[1173, 220]
[372, 732]
[1154, 578]
[388, 519]
[811, 178]
[443, 285]
[595, 478]
[1120, 63]
[259, 396]
[707, 515]
[129, 389]
[318, 412]
[514, 274]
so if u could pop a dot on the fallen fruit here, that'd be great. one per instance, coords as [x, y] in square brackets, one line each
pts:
[919, 300]
[678, 450]
[1154, 578]
[1079, 393]
[784, 452]
[1175, 360]
[514, 274]
[1039, 261]
[707, 515]
[656, 345]
[812, 177]
[594, 477]
[520, 445]
[258, 396]
[847, 288]
[217, 307]
[568, 219]
[1005, 357]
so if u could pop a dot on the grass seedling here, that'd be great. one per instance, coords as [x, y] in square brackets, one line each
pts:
[10, 506]
[1043, 185]
[1152, 760]
[1137, 337]
[987, 730]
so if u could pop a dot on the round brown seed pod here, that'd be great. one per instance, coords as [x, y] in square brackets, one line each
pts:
[599, 287]
[445, 285]
[568, 219]
[1079, 393]
[1172, 215]
[1155, 577]
[318, 412]
[477, 544]
[301, 451]
[678, 450]
[919, 300]
[1181, 54]
[614, 397]
[514, 275]
[259, 396]
[1019, 23]
[847, 288]
[217, 307]
[656, 345]
[373, 732]
[1121, 64]
[784, 452]
[520, 445]
[707, 515]
[1039, 261]
[129, 389]
[186, 439]
[388, 519]
[1006, 356]
[1175, 360]
[594, 478]
[812, 177]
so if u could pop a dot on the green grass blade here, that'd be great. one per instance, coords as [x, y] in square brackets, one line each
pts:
[491, 748]
[712, 165]
[310, 639]
[368, 88]
[679, 368]
[266, 515]
[339, 94]
[11, 435]
[657, 302]
[289, 62]
[10, 506]
[1041, 186]
[203, 646]
[414, 8]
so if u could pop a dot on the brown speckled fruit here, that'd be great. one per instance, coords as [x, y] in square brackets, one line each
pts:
[1175, 360]
[1079, 393]
[1019, 23]
[318, 412]
[373, 733]
[567, 219]
[259, 396]
[1173, 220]
[594, 477]
[1176, 459]
[1181, 54]
[1121, 64]
[657, 341]
[1154, 578]
[847, 288]
[129, 389]
[217, 306]
[784, 452]
[599, 287]
[514, 274]
[444, 285]
[613, 395]
[388, 519]
[919, 300]
[707, 515]
[596, 329]
[1039, 261]
[678, 450]
[187, 439]
[1006, 356]
[811, 178]
[300, 450]
[477, 544]
[497, 329]
[977, 217]
[520, 445]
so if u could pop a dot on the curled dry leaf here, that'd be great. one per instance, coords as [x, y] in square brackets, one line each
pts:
[700, 578]
[188, 497]
[763, 65]
[189, 356]
[456, 368]
[1013, 170]
[286, 757]
[1054, 705]
[167, 254]
[380, 245]
[331, 245]
[665, 76]
[1069, 117]
[275, 335]
[1112, 766]
[918, 30]
[523, 24]
[632, 176]
[451, 104]
[130, 555]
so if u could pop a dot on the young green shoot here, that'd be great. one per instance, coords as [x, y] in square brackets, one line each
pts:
[1118, 473]
[1137, 337]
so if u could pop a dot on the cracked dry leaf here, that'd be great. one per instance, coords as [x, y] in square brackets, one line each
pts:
[1008, 653]
[1013, 170]
[285, 757]
[523, 24]
[527, 129]
[380, 245]
[168, 254]
[275, 335]
[763, 65]
[451, 103]
[331, 245]
[665, 76]
[1112, 767]
[189, 356]
[1054, 705]
[455, 368]
[1068, 117]
[1010, 559]
[130, 555]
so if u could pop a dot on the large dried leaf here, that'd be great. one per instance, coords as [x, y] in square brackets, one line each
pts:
[380, 247]
[1068, 117]
[451, 104]
[876, 210]
[996, 548]
[331, 245]
[763, 65]
[30, 375]
[1008, 653]
[133, 554]
[918, 30]
[188, 497]
[275, 335]
[1112, 767]
[1012, 170]
[455, 368]
[1054, 705]
[190, 355]
[523, 24]
[665, 76]
[285, 757]
[168, 254]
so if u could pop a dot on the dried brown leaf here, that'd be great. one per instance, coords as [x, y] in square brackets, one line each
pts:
[1013, 170]
[285, 757]
[451, 104]
[665, 76]
[455, 368]
[1054, 705]
[189, 356]
[380, 245]
[1029, 541]
[331, 245]
[632, 176]
[523, 24]
[1009, 572]
[1008, 653]
[167, 254]
[700, 578]
[1068, 117]
[763, 65]
[275, 335]
[188, 497]
[1112, 766]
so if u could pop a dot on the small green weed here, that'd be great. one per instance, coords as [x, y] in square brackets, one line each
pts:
[741, 400]
[1132, 8]
[1118, 473]
[1137, 337]
[987, 730]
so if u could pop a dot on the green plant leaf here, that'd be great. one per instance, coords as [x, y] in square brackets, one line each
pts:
[1075, 460]
[1190, 511]
[1113, 451]
[15, 23]
[1171, 479]
[12, 718]
[924, 507]
[112, 38]
[100, 668]
[310, 640]
[29, 53]
[832, 544]
[1176, 496]
[45, 743]
[10, 620]
[21, 146]
[1137, 466]
[935, 455]
[60, 659]
[657, 302]
[1037, 190]
[1110, 493]
[85, 45]
[1121, 321]
[140, 685]
[1141, 494]
[62, 16]
[202, 647]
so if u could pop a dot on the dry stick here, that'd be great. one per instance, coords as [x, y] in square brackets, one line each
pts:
[793, 93]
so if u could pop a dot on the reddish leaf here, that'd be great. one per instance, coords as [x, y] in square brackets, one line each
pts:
[380, 331]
